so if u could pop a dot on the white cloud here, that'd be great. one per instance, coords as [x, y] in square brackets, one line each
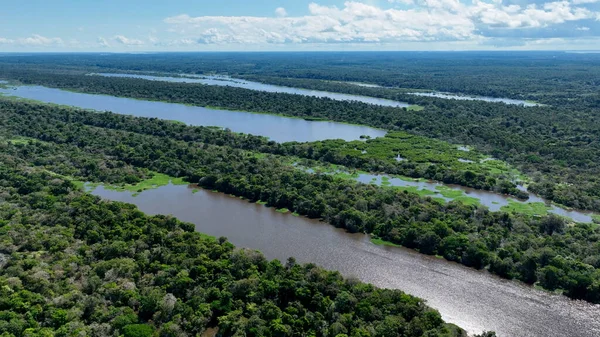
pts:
[583, 28]
[358, 22]
[103, 42]
[406, 2]
[127, 41]
[581, 2]
[39, 40]
[280, 12]
[34, 40]
[355, 22]
[532, 16]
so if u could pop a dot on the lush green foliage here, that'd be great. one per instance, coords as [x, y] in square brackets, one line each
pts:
[544, 250]
[414, 156]
[73, 265]
[555, 145]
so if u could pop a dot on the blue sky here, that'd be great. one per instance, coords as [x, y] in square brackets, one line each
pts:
[200, 25]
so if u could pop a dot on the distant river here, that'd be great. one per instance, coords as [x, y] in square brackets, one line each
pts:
[472, 299]
[474, 98]
[277, 128]
[239, 83]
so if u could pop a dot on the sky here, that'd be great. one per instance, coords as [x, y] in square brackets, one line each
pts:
[297, 25]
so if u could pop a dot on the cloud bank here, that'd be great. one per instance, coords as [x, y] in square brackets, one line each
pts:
[357, 22]
[34, 40]
[127, 41]
[356, 25]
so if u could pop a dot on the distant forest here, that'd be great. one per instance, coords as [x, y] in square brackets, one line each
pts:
[549, 77]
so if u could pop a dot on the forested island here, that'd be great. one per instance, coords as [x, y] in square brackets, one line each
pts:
[552, 78]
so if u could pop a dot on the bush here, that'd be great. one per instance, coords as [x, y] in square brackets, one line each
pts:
[138, 330]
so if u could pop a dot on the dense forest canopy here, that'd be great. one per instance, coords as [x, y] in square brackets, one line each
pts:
[106, 147]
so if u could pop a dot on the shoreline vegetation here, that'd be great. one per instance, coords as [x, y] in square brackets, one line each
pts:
[448, 172]
[498, 168]
[116, 149]
[564, 171]
[339, 171]
[131, 274]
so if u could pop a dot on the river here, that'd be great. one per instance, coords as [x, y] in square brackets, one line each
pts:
[240, 83]
[446, 95]
[223, 80]
[474, 300]
[277, 128]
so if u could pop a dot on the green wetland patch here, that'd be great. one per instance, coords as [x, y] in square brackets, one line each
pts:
[157, 180]
[440, 192]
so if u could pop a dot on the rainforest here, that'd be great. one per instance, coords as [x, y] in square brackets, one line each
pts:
[505, 190]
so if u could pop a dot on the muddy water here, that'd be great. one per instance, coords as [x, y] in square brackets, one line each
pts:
[278, 128]
[472, 299]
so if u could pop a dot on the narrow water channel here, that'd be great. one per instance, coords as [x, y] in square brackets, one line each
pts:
[472, 299]
[445, 95]
[240, 83]
[223, 80]
[493, 201]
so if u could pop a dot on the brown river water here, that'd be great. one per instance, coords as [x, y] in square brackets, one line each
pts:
[474, 300]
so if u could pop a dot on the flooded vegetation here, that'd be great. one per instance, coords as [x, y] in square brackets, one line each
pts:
[534, 205]
[459, 203]
[97, 147]
[284, 129]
